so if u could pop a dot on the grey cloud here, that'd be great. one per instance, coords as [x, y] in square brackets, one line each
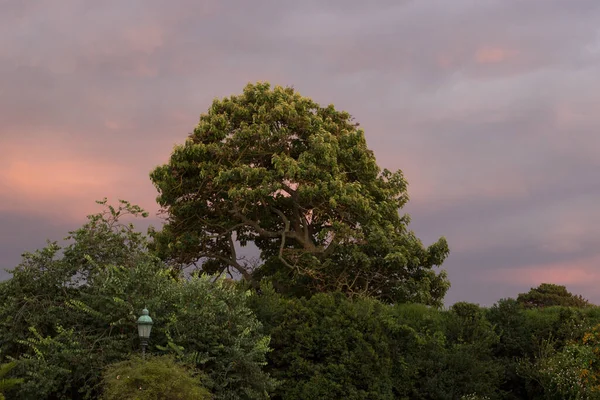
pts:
[488, 105]
[22, 233]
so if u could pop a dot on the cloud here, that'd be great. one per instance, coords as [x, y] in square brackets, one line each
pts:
[22, 232]
[493, 55]
[49, 180]
[583, 272]
[489, 108]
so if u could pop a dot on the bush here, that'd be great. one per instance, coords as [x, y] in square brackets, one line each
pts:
[453, 353]
[333, 347]
[151, 379]
[210, 326]
[326, 347]
[68, 313]
[573, 372]
[525, 334]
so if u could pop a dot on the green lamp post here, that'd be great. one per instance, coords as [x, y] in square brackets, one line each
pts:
[144, 324]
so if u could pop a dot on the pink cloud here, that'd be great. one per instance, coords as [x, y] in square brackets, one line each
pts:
[112, 125]
[145, 38]
[445, 61]
[576, 124]
[429, 187]
[573, 116]
[493, 55]
[580, 272]
[54, 179]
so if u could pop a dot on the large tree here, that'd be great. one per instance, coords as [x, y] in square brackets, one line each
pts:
[296, 179]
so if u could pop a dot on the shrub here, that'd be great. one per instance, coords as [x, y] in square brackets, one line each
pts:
[326, 347]
[210, 326]
[152, 379]
[332, 347]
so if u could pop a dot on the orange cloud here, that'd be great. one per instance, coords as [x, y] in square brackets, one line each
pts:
[51, 180]
[43, 178]
[493, 55]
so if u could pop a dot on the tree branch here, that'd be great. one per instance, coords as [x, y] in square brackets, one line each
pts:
[307, 244]
[229, 261]
[247, 221]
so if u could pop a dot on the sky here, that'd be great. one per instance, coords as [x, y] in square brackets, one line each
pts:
[489, 107]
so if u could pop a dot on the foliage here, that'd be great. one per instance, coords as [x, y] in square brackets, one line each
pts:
[59, 319]
[460, 362]
[7, 383]
[331, 347]
[565, 374]
[344, 302]
[297, 180]
[69, 312]
[155, 378]
[526, 335]
[326, 347]
[572, 372]
[210, 327]
[590, 373]
[548, 295]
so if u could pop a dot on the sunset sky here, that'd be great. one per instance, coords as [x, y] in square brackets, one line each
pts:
[491, 109]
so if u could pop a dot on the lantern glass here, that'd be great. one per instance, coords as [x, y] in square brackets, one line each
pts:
[144, 330]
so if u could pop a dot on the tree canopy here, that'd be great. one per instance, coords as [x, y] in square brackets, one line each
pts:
[297, 180]
[548, 295]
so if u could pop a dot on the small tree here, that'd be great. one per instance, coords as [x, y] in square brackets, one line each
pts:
[155, 378]
[548, 295]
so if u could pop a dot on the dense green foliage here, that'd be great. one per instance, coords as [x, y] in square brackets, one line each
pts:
[297, 180]
[327, 347]
[5, 382]
[154, 378]
[528, 336]
[332, 347]
[69, 312]
[548, 295]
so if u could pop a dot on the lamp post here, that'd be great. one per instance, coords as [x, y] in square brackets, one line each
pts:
[144, 324]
